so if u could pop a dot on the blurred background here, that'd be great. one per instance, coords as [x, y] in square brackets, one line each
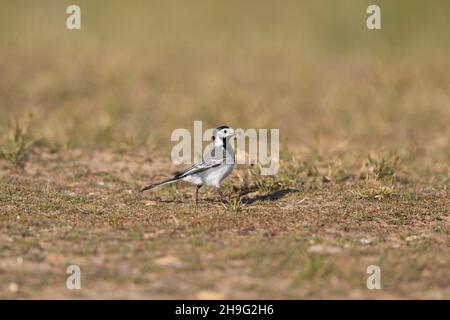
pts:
[139, 69]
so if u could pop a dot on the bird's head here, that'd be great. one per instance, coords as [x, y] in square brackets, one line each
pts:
[223, 132]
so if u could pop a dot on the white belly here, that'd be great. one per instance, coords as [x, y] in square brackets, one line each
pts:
[211, 177]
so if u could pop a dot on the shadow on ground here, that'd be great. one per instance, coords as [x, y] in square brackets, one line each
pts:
[273, 196]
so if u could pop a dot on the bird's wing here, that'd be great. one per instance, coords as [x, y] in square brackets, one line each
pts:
[199, 167]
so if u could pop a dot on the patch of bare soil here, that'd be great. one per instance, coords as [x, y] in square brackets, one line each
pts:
[310, 234]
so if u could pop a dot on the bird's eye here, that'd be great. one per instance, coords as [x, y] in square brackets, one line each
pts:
[225, 131]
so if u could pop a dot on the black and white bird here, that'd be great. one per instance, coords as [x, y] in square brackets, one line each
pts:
[215, 167]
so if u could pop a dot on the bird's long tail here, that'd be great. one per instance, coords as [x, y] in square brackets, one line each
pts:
[171, 180]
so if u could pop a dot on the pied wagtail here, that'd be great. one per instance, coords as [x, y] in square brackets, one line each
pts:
[215, 167]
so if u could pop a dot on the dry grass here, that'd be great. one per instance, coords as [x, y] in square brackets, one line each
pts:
[86, 117]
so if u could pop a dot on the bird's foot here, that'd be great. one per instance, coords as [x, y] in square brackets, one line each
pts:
[223, 200]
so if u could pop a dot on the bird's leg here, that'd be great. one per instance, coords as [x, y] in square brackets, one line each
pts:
[196, 194]
[222, 196]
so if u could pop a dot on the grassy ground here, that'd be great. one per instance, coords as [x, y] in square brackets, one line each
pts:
[86, 117]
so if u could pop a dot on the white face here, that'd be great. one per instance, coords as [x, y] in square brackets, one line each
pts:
[225, 133]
